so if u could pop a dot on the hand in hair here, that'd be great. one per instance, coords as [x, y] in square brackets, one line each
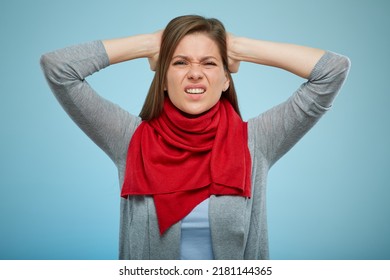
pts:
[233, 62]
[154, 57]
[133, 47]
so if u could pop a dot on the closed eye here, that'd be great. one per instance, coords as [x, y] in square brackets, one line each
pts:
[207, 63]
[210, 63]
[180, 62]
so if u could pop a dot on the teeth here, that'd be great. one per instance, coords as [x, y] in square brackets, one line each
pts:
[195, 90]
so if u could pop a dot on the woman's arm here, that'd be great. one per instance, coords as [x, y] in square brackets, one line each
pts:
[139, 46]
[275, 131]
[298, 60]
[66, 70]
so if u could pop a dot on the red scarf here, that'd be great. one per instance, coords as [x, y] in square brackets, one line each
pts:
[181, 161]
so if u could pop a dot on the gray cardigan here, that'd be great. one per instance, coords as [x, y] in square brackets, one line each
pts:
[238, 225]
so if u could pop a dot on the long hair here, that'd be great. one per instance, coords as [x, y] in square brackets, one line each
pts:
[174, 32]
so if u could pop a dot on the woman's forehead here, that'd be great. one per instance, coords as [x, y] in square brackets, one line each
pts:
[196, 46]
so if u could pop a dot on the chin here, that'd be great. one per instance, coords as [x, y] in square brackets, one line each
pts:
[194, 112]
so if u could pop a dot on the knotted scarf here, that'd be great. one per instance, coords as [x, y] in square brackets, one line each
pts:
[181, 160]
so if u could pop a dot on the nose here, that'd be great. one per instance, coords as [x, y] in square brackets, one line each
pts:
[195, 72]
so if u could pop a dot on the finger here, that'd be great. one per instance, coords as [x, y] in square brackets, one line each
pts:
[234, 66]
[152, 63]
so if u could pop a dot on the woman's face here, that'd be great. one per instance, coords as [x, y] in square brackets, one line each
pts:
[196, 77]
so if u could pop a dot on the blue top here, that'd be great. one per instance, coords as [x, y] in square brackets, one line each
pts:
[195, 234]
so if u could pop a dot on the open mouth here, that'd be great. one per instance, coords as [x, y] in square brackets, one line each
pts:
[195, 90]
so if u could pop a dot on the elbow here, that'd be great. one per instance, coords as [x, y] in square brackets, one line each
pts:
[340, 71]
[44, 60]
[48, 64]
[52, 68]
[345, 66]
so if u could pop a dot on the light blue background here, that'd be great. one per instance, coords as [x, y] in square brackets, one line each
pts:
[328, 198]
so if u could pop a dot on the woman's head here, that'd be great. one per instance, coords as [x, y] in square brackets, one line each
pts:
[192, 68]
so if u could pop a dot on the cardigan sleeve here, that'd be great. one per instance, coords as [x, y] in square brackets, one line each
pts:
[277, 130]
[108, 125]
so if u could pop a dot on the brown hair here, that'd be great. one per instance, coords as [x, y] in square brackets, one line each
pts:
[174, 32]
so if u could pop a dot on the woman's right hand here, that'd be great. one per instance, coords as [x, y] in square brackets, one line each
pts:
[153, 57]
[132, 47]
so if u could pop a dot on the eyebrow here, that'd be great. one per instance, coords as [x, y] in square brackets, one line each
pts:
[189, 58]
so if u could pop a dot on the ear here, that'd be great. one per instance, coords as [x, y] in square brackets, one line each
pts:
[165, 87]
[227, 83]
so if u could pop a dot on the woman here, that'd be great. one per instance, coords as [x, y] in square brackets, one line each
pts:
[192, 173]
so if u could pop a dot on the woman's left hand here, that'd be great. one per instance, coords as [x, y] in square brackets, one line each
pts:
[233, 62]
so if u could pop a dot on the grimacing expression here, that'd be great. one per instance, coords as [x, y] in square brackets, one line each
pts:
[196, 76]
